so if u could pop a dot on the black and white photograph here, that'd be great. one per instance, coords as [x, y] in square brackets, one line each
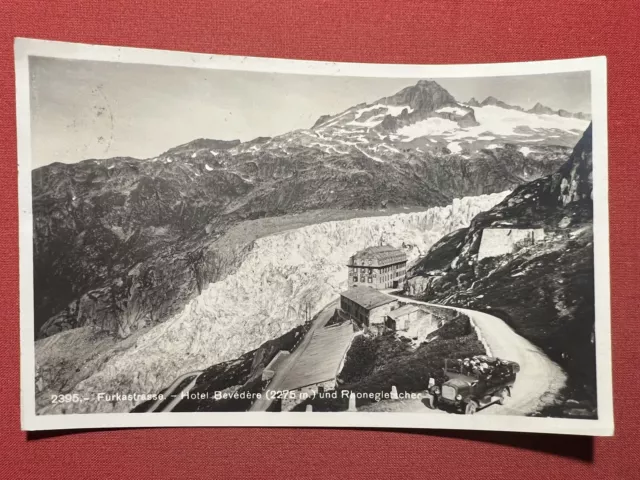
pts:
[213, 240]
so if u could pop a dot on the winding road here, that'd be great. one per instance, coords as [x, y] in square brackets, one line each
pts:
[537, 383]
[321, 319]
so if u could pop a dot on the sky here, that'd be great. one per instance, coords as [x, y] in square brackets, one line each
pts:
[90, 109]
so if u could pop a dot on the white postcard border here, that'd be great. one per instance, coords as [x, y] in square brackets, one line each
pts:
[30, 421]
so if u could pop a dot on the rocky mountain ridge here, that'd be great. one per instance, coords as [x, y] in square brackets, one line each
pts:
[538, 108]
[553, 271]
[531, 203]
[124, 243]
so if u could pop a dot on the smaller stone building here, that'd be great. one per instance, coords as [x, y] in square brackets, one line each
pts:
[414, 322]
[367, 306]
[402, 318]
[500, 241]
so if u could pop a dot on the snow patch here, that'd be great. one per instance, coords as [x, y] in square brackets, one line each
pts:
[334, 120]
[390, 148]
[429, 126]
[393, 110]
[503, 121]
[207, 167]
[372, 122]
[455, 110]
[525, 151]
[331, 147]
[376, 159]
[579, 232]
[454, 147]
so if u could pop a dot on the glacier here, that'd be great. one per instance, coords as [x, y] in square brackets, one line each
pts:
[283, 278]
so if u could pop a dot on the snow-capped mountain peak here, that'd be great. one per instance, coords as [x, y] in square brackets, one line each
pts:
[421, 119]
[425, 117]
[425, 96]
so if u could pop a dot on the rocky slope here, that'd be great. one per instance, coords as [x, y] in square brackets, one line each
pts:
[281, 280]
[544, 288]
[123, 244]
[541, 109]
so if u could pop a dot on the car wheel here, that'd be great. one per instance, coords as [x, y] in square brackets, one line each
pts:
[503, 396]
[432, 401]
[471, 408]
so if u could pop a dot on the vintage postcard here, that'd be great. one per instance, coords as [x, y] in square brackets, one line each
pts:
[229, 241]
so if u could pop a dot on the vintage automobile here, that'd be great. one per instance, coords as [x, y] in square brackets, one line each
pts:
[473, 384]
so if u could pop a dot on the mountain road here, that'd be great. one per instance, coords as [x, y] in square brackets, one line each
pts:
[538, 382]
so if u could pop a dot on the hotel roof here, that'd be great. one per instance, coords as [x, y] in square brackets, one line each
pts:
[378, 256]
